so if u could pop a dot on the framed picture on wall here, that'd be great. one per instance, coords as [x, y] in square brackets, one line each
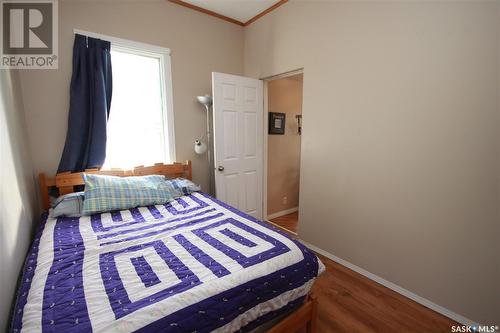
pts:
[277, 123]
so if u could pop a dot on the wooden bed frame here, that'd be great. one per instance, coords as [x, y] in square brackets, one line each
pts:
[65, 182]
[305, 315]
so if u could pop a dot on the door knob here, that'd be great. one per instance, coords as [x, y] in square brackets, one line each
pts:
[220, 168]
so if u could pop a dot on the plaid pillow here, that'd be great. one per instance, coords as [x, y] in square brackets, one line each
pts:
[179, 187]
[107, 193]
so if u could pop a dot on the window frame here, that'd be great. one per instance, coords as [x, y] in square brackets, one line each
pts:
[163, 55]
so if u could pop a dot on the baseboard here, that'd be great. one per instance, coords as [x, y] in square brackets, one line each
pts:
[282, 213]
[423, 301]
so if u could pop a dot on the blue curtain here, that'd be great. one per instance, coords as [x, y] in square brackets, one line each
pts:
[90, 101]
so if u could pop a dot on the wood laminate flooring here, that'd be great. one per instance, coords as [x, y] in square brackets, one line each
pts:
[349, 302]
[288, 222]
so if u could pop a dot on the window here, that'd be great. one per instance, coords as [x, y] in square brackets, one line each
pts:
[140, 125]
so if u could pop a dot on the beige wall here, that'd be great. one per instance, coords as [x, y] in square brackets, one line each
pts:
[283, 151]
[498, 106]
[17, 191]
[199, 43]
[400, 150]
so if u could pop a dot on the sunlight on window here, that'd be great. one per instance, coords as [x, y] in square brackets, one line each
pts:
[135, 127]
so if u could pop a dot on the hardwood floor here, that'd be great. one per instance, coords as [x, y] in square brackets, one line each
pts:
[350, 303]
[289, 221]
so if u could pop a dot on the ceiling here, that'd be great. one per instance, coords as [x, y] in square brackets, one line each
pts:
[241, 12]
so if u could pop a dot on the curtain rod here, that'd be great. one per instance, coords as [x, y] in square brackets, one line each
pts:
[124, 42]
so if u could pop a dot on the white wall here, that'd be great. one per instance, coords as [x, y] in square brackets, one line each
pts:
[199, 44]
[400, 146]
[17, 192]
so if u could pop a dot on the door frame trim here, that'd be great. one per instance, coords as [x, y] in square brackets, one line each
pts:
[265, 95]
[283, 75]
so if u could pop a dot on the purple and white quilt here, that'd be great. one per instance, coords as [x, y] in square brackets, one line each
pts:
[192, 265]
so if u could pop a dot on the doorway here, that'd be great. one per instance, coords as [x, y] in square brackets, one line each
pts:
[282, 141]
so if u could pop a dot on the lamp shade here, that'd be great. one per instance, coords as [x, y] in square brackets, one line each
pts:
[200, 147]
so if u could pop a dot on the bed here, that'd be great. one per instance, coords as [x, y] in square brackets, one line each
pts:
[194, 264]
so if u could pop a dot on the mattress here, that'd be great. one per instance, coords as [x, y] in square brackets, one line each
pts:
[192, 265]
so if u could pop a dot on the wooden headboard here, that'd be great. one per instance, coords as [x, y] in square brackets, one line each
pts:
[65, 182]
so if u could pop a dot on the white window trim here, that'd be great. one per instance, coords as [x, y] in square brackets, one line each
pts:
[163, 54]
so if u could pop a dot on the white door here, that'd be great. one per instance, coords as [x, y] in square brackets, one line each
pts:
[238, 109]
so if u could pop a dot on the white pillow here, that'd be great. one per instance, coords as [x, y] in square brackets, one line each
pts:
[70, 205]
